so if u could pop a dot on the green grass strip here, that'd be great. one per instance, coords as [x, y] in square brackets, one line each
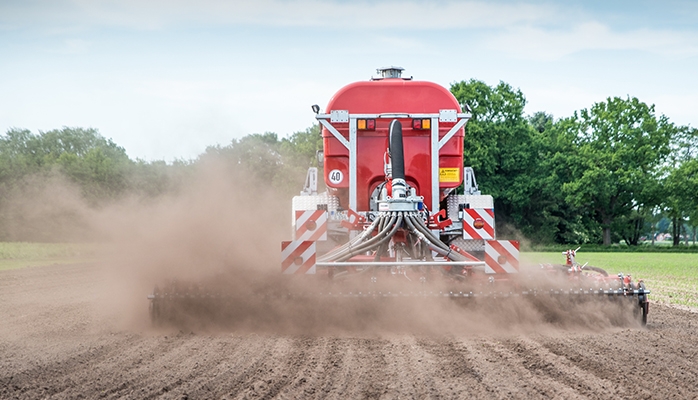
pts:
[21, 254]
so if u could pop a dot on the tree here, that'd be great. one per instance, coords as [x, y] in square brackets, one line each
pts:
[95, 163]
[504, 150]
[266, 159]
[678, 202]
[681, 198]
[302, 146]
[617, 149]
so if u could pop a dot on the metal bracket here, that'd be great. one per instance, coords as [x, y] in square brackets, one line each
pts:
[453, 131]
[334, 132]
[339, 116]
[448, 115]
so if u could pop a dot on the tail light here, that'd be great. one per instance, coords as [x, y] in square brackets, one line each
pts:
[421, 123]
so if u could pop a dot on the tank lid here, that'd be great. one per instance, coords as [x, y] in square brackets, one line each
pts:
[389, 72]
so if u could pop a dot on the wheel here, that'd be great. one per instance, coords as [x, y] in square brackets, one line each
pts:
[155, 308]
[644, 304]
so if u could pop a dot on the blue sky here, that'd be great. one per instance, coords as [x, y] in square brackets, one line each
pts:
[165, 79]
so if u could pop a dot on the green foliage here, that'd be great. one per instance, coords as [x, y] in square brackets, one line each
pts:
[681, 198]
[606, 162]
[303, 146]
[97, 164]
[593, 177]
[615, 151]
[504, 150]
[496, 132]
[49, 166]
[268, 160]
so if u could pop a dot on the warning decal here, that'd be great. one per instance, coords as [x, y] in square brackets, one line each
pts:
[450, 175]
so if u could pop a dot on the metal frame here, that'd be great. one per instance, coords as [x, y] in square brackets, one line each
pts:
[399, 263]
[436, 143]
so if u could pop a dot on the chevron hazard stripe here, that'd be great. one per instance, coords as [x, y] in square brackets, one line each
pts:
[311, 225]
[478, 223]
[298, 257]
[502, 256]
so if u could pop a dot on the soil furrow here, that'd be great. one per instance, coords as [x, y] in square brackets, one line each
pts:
[62, 338]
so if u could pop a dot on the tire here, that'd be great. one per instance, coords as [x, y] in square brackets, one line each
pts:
[644, 305]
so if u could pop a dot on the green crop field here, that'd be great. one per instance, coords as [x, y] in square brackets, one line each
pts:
[672, 277]
[20, 254]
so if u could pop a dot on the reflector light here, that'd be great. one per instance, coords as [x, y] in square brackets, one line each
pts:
[310, 225]
[478, 223]
[421, 123]
[366, 124]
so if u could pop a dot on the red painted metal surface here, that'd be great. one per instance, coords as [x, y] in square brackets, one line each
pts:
[391, 96]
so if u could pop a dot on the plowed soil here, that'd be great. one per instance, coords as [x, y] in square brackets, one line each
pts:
[61, 337]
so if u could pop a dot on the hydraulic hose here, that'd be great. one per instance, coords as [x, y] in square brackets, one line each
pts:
[397, 154]
[419, 226]
[380, 238]
[357, 244]
[435, 244]
[353, 242]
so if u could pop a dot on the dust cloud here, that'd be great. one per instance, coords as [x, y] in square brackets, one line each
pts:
[220, 234]
[44, 208]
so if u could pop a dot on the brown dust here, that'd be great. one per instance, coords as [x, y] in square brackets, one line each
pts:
[222, 234]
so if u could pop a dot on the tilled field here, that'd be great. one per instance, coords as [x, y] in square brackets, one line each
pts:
[59, 340]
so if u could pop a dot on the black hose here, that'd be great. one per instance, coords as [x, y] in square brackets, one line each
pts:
[397, 154]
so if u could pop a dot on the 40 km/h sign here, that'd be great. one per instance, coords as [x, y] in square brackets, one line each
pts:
[336, 176]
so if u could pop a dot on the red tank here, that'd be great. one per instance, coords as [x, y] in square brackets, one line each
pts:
[392, 96]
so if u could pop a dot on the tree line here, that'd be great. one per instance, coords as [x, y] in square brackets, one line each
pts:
[608, 173]
[615, 171]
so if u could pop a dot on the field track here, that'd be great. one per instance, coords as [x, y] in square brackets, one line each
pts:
[57, 340]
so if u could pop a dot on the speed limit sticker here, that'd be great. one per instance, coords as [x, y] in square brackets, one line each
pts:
[336, 176]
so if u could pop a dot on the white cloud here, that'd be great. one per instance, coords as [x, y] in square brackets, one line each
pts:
[173, 93]
[543, 31]
[550, 44]
[156, 14]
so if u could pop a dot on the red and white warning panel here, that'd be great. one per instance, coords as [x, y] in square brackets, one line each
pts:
[478, 223]
[311, 225]
[502, 256]
[298, 257]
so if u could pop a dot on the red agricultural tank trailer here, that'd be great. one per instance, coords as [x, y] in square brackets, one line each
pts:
[401, 217]
[401, 207]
